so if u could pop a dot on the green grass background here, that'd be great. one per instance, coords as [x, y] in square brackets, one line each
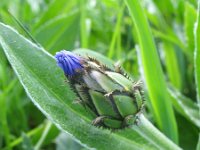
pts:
[153, 40]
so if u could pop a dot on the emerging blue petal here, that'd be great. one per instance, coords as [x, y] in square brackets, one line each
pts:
[68, 62]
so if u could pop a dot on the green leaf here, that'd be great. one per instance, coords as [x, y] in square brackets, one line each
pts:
[59, 33]
[198, 144]
[197, 55]
[55, 8]
[169, 37]
[172, 66]
[84, 28]
[185, 106]
[44, 83]
[153, 73]
[26, 143]
[34, 134]
[166, 7]
[190, 16]
[189, 137]
[113, 49]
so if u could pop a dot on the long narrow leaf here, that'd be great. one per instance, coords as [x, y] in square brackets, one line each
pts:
[153, 74]
[61, 27]
[55, 8]
[197, 55]
[185, 106]
[189, 18]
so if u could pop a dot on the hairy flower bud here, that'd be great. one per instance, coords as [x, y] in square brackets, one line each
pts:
[113, 97]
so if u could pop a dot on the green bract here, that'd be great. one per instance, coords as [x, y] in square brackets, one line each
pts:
[110, 95]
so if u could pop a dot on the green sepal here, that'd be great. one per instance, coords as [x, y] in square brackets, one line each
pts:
[120, 79]
[112, 123]
[103, 106]
[105, 82]
[125, 105]
[91, 83]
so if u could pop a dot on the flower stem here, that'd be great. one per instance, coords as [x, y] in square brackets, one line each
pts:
[151, 133]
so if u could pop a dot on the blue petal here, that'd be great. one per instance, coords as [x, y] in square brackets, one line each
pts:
[68, 66]
[68, 62]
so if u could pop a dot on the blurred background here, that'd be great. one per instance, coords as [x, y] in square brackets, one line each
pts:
[103, 26]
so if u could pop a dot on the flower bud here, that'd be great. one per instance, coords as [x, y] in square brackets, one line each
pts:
[113, 97]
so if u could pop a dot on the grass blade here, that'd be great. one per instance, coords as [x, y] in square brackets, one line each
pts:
[84, 32]
[153, 74]
[116, 34]
[54, 9]
[189, 18]
[172, 66]
[185, 106]
[197, 55]
[61, 27]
